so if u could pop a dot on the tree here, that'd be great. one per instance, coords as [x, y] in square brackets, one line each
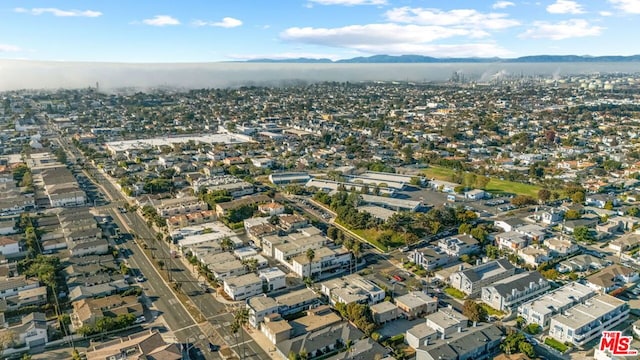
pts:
[608, 205]
[226, 244]
[240, 319]
[161, 264]
[464, 228]
[544, 195]
[251, 264]
[572, 215]
[582, 233]
[356, 249]
[311, 254]
[523, 200]
[473, 311]
[578, 197]
[7, 340]
[527, 349]
[551, 274]
[482, 182]
[511, 344]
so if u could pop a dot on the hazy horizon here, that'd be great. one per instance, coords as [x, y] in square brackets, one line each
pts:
[29, 74]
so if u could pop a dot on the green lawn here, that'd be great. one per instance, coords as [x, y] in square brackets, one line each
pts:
[494, 185]
[454, 293]
[491, 311]
[370, 235]
[556, 344]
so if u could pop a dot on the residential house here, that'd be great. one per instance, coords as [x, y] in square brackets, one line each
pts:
[611, 278]
[508, 293]
[326, 262]
[13, 285]
[272, 279]
[430, 257]
[625, 243]
[384, 312]
[446, 322]
[147, 344]
[286, 304]
[243, 286]
[561, 246]
[539, 311]
[534, 256]
[87, 311]
[31, 332]
[582, 262]
[352, 289]
[509, 225]
[585, 322]
[471, 281]
[511, 241]
[459, 245]
[478, 343]
[9, 246]
[416, 303]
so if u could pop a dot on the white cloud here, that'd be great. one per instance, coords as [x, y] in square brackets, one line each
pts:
[356, 36]
[161, 20]
[467, 18]
[349, 2]
[9, 48]
[605, 13]
[502, 4]
[59, 12]
[396, 39]
[628, 6]
[227, 22]
[285, 55]
[565, 7]
[562, 30]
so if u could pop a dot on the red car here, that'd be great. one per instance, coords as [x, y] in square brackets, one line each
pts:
[398, 278]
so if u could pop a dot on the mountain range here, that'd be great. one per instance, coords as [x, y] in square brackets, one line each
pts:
[409, 59]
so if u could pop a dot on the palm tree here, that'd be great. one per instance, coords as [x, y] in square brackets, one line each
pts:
[356, 248]
[226, 244]
[240, 318]
[310, 256]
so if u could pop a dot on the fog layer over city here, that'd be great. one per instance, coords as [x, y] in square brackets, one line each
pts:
[20, 74]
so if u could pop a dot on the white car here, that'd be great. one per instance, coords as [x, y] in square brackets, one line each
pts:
[140, 278]
[139, 320]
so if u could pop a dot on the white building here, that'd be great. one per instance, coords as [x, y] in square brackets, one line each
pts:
[459, 245]
[243, 287]
[430, 258]
[273, 279]
[9, 246]
[352, 288]
[325, 262]
[585, 322]
[539, 311]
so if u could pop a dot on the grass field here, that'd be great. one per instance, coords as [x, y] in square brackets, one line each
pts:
[491, 311]
[556, 344]
[454, 293]
[495, 186]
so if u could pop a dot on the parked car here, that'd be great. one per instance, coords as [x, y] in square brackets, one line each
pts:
[213, 347]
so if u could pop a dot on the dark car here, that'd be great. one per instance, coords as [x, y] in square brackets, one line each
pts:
[213, 347]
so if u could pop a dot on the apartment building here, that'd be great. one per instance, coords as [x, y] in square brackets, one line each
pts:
[539, 311]
[585, 322]
[352, 288]
[510, 292]
[243, 287]
[471, 281]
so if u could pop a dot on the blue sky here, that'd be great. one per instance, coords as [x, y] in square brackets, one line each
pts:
[219, 30]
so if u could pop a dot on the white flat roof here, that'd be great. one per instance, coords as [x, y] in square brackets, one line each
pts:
[164, 141]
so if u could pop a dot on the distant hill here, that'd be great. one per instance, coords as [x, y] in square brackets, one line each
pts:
[412, 59]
